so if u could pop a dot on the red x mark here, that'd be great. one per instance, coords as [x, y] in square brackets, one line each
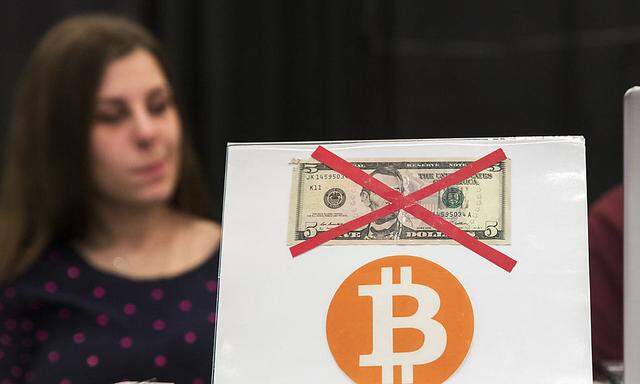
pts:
[409, 203]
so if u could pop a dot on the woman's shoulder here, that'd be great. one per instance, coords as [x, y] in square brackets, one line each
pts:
[202, 231]
[53, 257]
[202, 239]
[36, 282]
[202, 223]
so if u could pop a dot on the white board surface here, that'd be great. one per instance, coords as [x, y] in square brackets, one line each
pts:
[531, 325]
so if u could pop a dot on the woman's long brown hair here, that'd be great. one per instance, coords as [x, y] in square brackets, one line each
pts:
[46, 184]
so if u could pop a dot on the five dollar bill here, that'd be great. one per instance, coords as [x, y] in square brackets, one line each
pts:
[322, 198]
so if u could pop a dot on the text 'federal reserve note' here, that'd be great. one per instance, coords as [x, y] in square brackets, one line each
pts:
[322, 198]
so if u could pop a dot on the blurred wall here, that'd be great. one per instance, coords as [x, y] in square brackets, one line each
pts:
[370, 69]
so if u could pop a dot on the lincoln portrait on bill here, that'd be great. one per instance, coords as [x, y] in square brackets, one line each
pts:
[388, 227]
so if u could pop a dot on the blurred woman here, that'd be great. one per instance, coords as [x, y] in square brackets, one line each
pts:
[108, 260]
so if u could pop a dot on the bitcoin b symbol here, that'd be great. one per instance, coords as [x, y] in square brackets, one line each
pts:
[384, 322]
[377, 338]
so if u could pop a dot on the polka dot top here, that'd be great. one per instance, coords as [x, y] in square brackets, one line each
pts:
[65, 322]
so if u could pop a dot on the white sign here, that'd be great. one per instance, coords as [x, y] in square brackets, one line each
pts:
[392, 299]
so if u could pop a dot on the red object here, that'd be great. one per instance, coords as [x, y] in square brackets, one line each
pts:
[605, 264]
[409, 203]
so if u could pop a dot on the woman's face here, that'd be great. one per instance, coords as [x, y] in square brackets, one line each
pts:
[136, 133]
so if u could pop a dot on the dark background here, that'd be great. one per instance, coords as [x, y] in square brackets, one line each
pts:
[321, 70]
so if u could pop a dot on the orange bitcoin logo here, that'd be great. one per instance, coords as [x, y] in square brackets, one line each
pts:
[400, 319]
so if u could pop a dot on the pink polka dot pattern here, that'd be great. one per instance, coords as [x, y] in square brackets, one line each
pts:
[190, 337]
[79, 338]
[129, 309]
[185, 305]
[157, 294]
[53, 356]
[93, 360]
[73, 323]
[102, 320]
[126, 342]
[99, 292]
[41, 335]
[160, 361]
[64, 313]
[159, 325]
[211, 285]
[73, 272]
[51, 287]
